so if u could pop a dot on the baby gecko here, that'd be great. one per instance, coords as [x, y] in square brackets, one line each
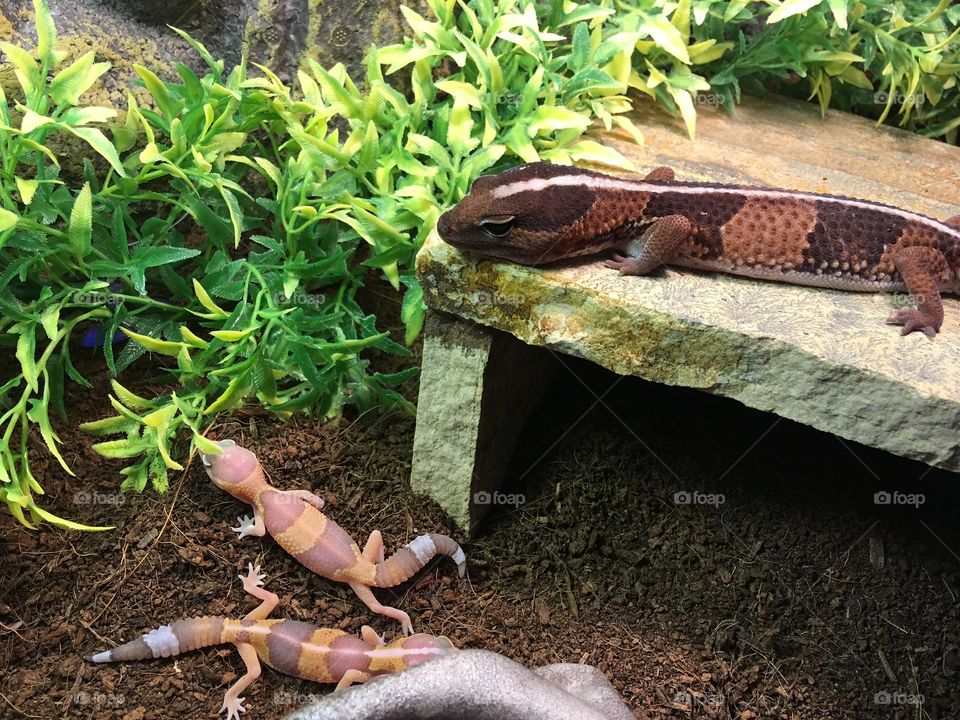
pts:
[295, 520]
[540, 213]
[289, 646]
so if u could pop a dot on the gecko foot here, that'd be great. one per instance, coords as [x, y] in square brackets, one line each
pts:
[253, 578]
[625, 265]
[233, 706]
[914, 319]
[246, 525]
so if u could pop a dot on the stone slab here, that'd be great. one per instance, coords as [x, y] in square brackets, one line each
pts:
[821, 357]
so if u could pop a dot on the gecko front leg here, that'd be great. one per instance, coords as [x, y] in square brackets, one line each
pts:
[252, 583]
[250, 525]
[307, 497]
[658, 244]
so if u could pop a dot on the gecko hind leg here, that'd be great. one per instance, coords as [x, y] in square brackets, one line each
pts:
[350, 677]
[232, 702]
[373, 550]
[924, 270]
[366, 595]
[656, 246]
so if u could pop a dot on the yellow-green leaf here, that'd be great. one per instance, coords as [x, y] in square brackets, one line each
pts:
[108, 425]
[207, 301]
[233, 394]
[667, 37]
[230, 335]
[685, 102]
[548, 119]
[205, 445]
[99, 142]
[31, 121]
[24, 67]
[27, 189]
[191, 338]
[163, 347]
[159, 91]
[791, 7]
[593, 152]
[7, 219]
[81, 223]
[46, 33]
[627, 125]
[159, 418]
[130, 398]
[75, 79]
[50, 320]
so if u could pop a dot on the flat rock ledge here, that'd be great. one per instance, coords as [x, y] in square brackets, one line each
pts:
[821, 357]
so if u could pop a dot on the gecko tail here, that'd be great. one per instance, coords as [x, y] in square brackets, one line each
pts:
[410, 559]
[166, 641]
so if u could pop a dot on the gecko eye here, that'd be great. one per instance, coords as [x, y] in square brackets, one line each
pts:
[498, 226]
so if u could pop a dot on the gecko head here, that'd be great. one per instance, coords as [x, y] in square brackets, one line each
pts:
[421, 648]
[522, 215]
[234, 469]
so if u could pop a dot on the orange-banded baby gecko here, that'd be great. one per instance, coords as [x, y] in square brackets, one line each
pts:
[289, 646]
[540, 213]
[294, 519]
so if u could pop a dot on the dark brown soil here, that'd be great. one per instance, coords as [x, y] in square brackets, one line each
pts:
[797, 597]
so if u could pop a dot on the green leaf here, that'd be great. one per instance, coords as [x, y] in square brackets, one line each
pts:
[580, 50]
[74, 80]
[413, 312]
[81, 223]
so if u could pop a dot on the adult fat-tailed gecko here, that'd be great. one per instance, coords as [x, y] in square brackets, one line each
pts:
[540, 213]
[289, 646]
[294, 519]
